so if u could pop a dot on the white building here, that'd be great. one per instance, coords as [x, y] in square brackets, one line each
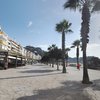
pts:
[9, 45]
[3, 41]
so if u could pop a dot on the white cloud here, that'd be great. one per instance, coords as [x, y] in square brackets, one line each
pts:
[93, 50]
[95, 29]
[72, 52]
[93, 45]
[29, 24]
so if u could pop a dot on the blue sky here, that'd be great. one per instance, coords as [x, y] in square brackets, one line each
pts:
[32, 22]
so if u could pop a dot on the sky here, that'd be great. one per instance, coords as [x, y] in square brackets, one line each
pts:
[33, 22]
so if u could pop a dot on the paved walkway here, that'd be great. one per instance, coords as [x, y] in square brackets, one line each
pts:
[41, 82]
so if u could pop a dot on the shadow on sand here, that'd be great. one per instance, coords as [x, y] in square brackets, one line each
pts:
[96, 85]
[30, 76]
[40, 64]
[37, 71]
[71, 90]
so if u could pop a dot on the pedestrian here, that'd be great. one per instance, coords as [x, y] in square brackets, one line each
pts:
[78, 66]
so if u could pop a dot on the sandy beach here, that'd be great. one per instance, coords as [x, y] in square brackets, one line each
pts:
[42, 82]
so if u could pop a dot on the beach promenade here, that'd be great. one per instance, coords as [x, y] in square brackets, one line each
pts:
[42, 82]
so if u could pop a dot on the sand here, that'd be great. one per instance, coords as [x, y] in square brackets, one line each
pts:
[42, 82]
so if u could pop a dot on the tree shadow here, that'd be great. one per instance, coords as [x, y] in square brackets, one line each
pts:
[37, 71]
[96, 85]
[39, 64]
[71, 90]
[30, 76]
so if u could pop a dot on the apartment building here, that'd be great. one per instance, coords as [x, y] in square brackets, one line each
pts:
[3, 41]
[15, 50]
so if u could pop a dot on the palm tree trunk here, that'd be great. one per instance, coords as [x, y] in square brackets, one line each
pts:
[67, 59]
[52, 62]
[63, 52]
[85, 67]
[77, 55]
[57, 65]
[84, 34]
[85, 71]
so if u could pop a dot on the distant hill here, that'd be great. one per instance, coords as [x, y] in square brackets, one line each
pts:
[74, 60]
[35, 49]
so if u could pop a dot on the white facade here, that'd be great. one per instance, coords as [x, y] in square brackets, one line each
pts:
[3, 41]
[7, 44]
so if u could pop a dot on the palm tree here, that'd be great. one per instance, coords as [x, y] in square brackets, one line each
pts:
[51, 53]
[55, 54]
[63, 27]
[67, 50]
[86, 6]
[58, 56]
[45, 59]
[76, 44]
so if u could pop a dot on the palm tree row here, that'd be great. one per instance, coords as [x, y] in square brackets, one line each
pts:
[53, 55]
[86, 7]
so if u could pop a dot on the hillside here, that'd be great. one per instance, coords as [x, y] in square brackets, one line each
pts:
[35, 49]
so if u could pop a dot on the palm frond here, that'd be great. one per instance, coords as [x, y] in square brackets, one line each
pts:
[72, 47]
[96, 6]
[67, 49]
[70, 31]
[72, 4]
[76, 43]
[59, 27]
[64, 26]
[69, 24]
